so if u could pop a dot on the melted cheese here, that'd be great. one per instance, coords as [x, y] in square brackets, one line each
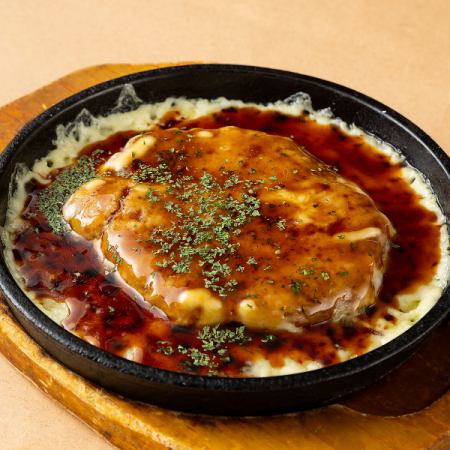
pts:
[70, 139]
[93, 211]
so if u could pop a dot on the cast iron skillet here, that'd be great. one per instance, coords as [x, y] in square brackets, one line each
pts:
[224, 396]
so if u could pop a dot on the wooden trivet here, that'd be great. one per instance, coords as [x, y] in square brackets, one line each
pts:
[372, 419]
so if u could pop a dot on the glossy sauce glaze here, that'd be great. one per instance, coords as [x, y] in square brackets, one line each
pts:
[113, 317]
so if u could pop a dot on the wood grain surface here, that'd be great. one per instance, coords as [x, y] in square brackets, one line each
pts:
[408, 409]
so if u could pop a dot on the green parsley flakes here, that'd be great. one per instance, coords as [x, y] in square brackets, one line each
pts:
[152, 195]
[206, 219]
[165, 348]
[213, 338]
[296, 287]
[52, 198]
[268, 338]
[281, 224]
[325, 275]
[306, 271]
[214, 349]
[115, 255]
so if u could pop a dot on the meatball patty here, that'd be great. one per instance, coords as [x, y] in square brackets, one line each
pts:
[216, 226]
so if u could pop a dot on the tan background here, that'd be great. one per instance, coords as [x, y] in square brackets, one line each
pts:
[395, 51]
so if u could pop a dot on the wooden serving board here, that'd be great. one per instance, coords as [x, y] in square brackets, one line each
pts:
[408, 409]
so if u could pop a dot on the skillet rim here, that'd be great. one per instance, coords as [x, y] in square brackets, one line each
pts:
[24, 307]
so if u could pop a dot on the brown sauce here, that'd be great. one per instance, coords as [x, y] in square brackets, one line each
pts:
[113, 318]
